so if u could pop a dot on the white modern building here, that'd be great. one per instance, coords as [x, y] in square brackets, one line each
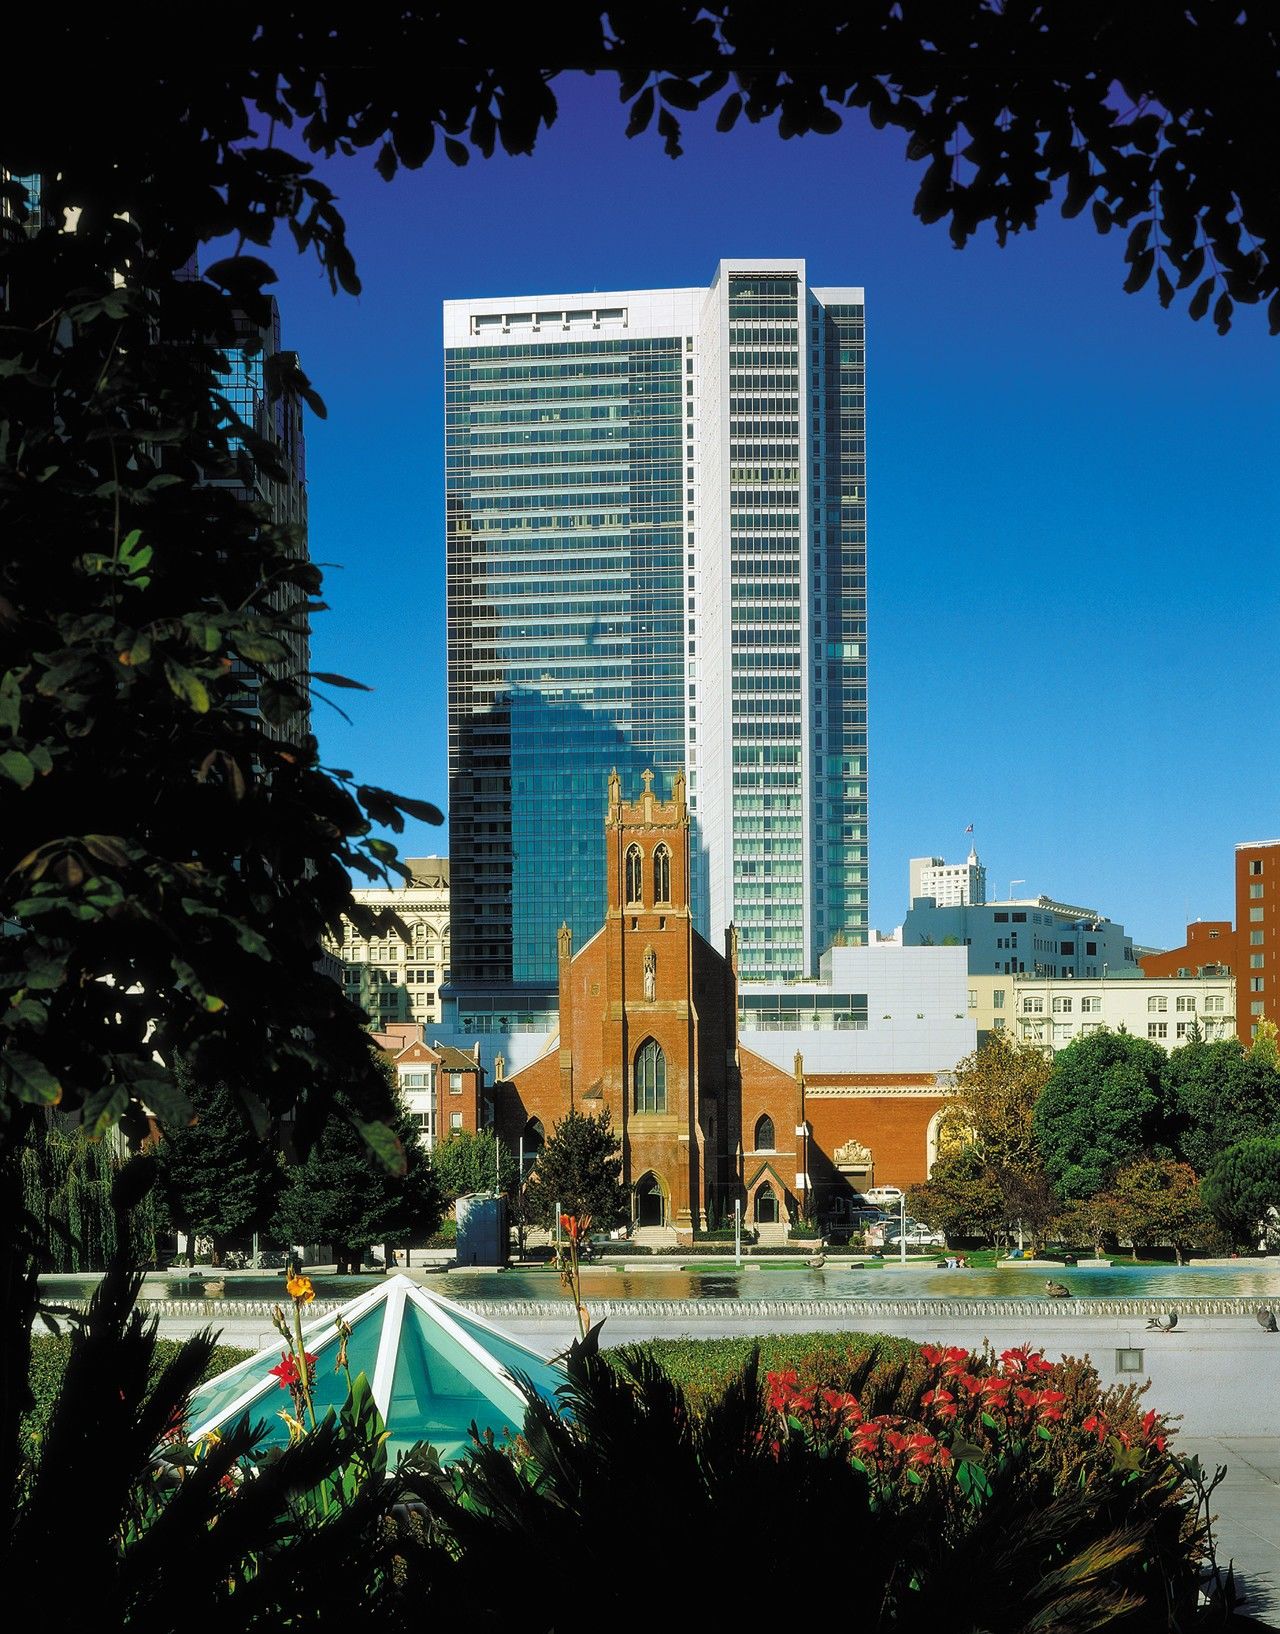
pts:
[876, 1009]
[656, 547]
[395, 976]
[947, 884]
[1024, 936]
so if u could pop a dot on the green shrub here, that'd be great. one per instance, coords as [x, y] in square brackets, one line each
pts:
[49, 1356]
[703, 1368]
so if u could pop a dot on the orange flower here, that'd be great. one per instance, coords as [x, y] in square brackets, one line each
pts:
[573, 1227]
[300, 1288]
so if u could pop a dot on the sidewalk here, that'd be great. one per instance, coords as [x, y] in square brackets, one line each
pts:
[1247, 1504]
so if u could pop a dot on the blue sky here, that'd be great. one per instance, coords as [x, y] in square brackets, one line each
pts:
[1074, 504]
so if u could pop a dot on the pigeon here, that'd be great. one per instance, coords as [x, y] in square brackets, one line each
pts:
[1266, 1319]
[1165, 1324]
[1056, 1290]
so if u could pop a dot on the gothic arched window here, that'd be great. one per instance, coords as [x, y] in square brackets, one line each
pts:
[662, 875]
[650, 1078]
[764, 1135]
[635, 868]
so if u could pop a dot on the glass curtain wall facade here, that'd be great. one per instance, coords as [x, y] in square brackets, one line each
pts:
[565, 550]
[656, 558]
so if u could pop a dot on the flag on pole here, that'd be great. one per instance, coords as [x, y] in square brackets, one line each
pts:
[969, 830]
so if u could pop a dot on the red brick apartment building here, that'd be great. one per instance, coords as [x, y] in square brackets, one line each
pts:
[1250, 950]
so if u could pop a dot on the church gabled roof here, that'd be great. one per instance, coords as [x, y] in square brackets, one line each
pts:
[434, 1368]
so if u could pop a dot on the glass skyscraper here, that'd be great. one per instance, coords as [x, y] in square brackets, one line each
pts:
[656, 544]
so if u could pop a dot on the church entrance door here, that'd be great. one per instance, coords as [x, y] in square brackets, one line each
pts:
[650, 1206]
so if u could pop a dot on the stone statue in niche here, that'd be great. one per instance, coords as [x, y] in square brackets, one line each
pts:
[650, 975]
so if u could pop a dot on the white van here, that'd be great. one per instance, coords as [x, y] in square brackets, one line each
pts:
[884, 1196]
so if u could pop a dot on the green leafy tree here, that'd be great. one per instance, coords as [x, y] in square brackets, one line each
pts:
[1266, 1042]
[67, 1182]
[340, 1194]
[217, 1176]
[961, 1196]
[1242, 1191]
[579, 1172]
[1103, 1106]
[1157, 1200]
[992, 1110]
[465, 1162]
[1220, 1094]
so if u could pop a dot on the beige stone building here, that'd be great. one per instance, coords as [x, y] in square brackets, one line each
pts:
[397, 977]
[1055, 1011]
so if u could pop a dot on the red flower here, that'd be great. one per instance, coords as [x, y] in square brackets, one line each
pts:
[1024, 1360]
[952, 1360]
[1045, 1403]
[287, 1372]
[1097, 1425]
[841, 1404]
[942, 1402]
[781, 1389]
[1152, 1424]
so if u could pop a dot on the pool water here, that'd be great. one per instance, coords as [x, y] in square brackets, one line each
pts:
[755, 1281]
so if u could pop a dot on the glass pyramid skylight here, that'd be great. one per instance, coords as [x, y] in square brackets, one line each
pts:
[434, 1367]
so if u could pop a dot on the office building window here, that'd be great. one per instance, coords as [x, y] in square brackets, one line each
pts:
[1091, 1004]
[1255, 916]
[1185, 1001]
[1255, 891]
[1215, 1002]
[1157, 1002]
[1255, 961]
[455, 1120]
[1061, 1007]
[1256, 983]
[1157, 1029]
[1256, 938]
[1032, 1006]
[997, 998]
[1255, 867]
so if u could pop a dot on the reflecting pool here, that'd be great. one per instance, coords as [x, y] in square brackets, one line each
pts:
[759, 1280]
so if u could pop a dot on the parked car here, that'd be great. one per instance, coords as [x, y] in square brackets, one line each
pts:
[916, 1236]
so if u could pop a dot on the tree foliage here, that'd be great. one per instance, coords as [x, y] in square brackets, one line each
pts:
[1157, 1201]
[341, 1195]
[579, 1172]
[961, 1197]
[465, 1162]
[67, 1185]
[1156, 120]
[217, 1176]
[1219, 1094]
[996, 1089]
[1242, 1191]
[1103, 1106]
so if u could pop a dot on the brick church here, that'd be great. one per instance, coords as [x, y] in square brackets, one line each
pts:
[649, 1029]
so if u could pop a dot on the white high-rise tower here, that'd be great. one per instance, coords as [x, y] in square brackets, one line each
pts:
[656, 558]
